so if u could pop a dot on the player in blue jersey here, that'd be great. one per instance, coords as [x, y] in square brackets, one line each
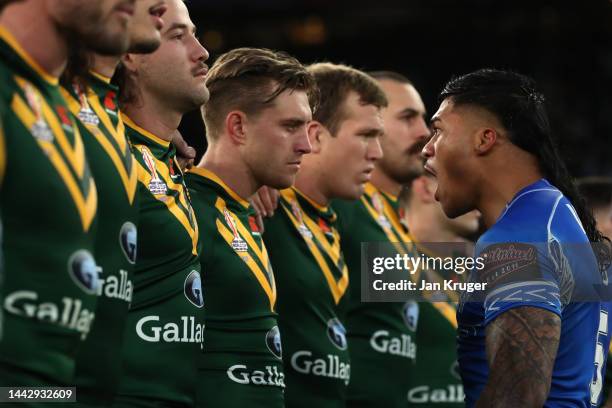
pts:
[530, 339]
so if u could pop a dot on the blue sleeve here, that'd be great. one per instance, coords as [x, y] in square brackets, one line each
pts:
[519, 274]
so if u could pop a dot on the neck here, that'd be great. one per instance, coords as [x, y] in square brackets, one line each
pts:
[105, 65]
[35, 31]
[154, 116]
[226, 163]
[385, 183]
[498, 186]
[310, 181]
[427, 230]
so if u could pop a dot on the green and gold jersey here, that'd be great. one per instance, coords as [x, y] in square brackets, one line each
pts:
[2, 163]
[48, 204]
[242, 337]
[312, 279]
[437, 382]
[112, 164]
[165, 324]
[381, 336]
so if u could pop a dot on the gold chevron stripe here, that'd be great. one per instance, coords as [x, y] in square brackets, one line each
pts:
[86, 206]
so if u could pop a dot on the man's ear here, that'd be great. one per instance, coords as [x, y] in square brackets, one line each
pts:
[235, 126]
[316, 132]
[129, 61]
[484, 140]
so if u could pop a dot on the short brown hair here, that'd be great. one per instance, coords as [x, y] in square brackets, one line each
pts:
[335, 82]
[249, 79]
[389, 75]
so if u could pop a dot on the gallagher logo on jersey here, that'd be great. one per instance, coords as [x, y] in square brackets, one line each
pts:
[127, 241]
[193, 289]
[411, 315]
[273, 341]
[336, 333]
[84, 271]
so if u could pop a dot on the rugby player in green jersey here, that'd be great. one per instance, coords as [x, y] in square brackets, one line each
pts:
[164, 329]
[50, 282]
[597, 191]
[304, 243]
[94, 101]
[256, 120]
[438, 383]
[381, 336]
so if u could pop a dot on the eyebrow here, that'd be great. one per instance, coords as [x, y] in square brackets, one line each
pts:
[410, 112]
[370, 132]
[293, 122]
[181, 26]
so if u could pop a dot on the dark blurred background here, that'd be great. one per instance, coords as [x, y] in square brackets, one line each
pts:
[565, 45]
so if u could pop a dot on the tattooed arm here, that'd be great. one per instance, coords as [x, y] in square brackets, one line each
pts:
[521, 349]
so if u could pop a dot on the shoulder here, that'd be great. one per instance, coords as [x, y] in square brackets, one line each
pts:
[527, 218]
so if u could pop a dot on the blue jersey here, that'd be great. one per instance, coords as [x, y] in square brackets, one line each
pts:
[537, 254]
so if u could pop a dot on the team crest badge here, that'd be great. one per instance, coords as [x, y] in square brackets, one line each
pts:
[193, 289]
[109, 103]
[40, 129]
[325, 228]
[273, 341]
[254, 227]
[62, 112]
[86, 114]
[337, 333]
[302, 228]
[156, 186]
[379, 206]
[173, 174]
[238, 244]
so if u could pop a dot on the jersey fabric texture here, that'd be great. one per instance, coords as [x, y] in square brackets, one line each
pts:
[241, 364]
[48, 203]
[537, 254]
[312, 280]
[381, 336]
[438, 383]
[165, 324]
[112, 164]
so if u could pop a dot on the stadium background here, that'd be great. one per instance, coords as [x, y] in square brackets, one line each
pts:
[565, 45]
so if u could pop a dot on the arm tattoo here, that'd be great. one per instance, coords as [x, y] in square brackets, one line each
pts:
[521, 350]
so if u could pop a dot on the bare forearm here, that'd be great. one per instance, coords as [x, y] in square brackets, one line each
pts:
[521, 349]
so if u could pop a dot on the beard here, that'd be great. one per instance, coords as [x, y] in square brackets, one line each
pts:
[145, 46]
[405, 168]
